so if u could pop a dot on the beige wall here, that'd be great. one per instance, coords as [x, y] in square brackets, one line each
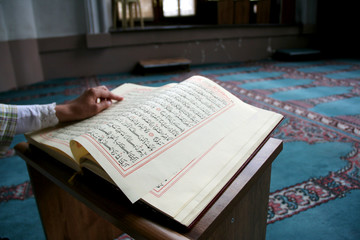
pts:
[84, 55]
[106, 53]
[7, 74]
[22, 23]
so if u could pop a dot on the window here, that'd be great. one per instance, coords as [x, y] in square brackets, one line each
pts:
[160, 13]
[170, 12]
[146, 9]
[178, 8]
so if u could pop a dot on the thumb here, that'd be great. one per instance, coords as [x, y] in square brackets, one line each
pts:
[104, 104]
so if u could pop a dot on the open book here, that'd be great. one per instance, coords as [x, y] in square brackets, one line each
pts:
[173, 147]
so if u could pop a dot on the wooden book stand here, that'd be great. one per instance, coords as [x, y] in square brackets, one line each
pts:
[91, 208]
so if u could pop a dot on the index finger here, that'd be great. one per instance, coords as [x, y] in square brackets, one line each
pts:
[106, 94]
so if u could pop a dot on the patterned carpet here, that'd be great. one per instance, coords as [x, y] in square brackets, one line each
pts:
[315, 180]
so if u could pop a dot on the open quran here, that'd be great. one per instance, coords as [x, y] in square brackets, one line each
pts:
[173, 147]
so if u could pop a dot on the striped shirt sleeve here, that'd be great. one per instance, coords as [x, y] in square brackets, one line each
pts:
[19, 119]
[8, 120]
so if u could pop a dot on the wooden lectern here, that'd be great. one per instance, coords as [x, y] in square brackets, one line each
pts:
[98, 210]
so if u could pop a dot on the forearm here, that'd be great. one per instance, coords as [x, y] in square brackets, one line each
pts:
[34, 117]
[64, 113]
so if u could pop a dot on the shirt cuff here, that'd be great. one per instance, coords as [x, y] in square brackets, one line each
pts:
[35, 117]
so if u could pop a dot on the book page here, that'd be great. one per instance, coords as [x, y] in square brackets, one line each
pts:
[190, 190]
[149, 136]
[56, 137]
[261, 125]
[56, 140]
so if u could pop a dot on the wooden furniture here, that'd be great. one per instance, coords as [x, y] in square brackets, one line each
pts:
[91, 208]
[162, 65]
[131, 7]
[244, 11]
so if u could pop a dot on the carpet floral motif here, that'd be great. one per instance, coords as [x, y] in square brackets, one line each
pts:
[303, 124]
[18, 192]
[320, 101]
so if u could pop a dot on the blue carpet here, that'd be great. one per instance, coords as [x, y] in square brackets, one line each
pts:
[315, 180]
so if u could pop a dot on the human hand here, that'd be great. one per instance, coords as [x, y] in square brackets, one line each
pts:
[91, 102]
